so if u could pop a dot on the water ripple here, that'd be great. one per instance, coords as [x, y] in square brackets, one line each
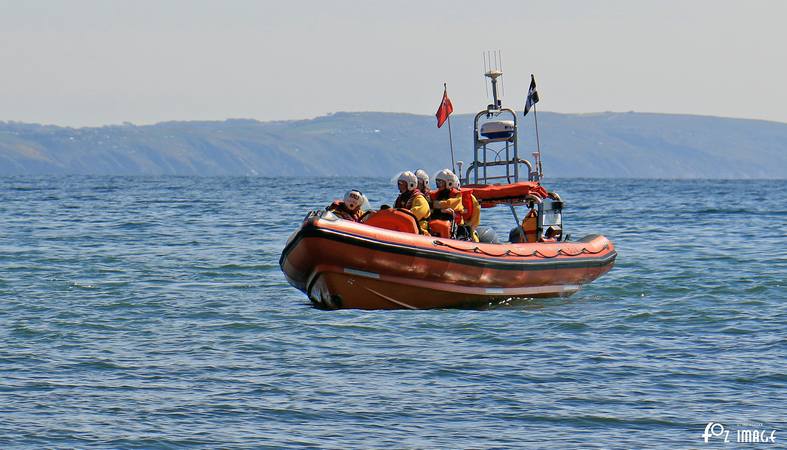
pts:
[150, 312]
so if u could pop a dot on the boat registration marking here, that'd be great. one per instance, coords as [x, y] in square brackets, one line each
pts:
[361, 273]
[495, 291]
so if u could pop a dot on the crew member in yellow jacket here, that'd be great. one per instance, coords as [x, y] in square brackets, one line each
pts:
[423, 182]
[471, 214]
[411, 198]
[447, 200]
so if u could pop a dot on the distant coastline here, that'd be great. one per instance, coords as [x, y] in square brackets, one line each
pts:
[596, 145]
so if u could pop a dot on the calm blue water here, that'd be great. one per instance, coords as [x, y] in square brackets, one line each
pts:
[151, 313]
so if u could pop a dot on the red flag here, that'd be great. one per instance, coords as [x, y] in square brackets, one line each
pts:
[445, 109]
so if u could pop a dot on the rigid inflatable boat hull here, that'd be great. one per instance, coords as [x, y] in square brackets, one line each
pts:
[341, 264]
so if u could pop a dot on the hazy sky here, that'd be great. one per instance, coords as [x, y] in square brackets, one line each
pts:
[99, 62]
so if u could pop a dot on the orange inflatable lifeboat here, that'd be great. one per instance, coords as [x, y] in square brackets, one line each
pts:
[344, 264]
[384, 263]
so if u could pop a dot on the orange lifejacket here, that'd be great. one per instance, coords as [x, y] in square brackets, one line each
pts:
[530, 226]
[467, 203]
[340, 209]
[405, 200]
[445, 194]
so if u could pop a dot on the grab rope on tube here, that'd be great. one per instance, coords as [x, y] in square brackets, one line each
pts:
[535, 253]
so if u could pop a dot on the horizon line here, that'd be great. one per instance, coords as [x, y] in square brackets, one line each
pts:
[251, 119]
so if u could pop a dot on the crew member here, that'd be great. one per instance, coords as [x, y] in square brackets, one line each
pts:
[350, 207]
[447, 201]
[411, 198]
[471, 215]
[423, 182]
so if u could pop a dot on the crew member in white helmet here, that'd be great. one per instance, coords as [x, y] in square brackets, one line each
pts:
[411, 198]
[423, 182]
[350, 207]
[447, 203]
[471, 214]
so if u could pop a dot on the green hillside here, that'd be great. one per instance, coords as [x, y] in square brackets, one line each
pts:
[637, 145]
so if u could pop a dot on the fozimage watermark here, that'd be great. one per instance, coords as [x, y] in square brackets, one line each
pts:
[743, 433]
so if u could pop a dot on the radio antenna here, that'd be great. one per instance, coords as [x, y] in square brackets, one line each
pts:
[502, 83]
[486, 88]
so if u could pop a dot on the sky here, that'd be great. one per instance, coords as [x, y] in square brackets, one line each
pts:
[98, 62]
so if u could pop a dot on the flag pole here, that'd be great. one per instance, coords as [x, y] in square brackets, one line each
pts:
[451, 143]
[538, 144]
[450, 138]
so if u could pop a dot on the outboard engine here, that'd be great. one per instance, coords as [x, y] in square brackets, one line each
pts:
[487, 235]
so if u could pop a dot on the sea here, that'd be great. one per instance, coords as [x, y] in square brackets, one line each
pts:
[151, 313]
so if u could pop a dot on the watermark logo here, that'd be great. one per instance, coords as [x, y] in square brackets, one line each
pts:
[715, 429]
[746, 433]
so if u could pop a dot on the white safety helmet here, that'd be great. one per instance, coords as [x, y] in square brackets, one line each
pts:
[451, 180]
[354, 199]
[456, 181]
[409, 178]
[422, 176]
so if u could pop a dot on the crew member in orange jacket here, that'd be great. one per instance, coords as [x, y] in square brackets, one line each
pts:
[350, 207]
[411, 198]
